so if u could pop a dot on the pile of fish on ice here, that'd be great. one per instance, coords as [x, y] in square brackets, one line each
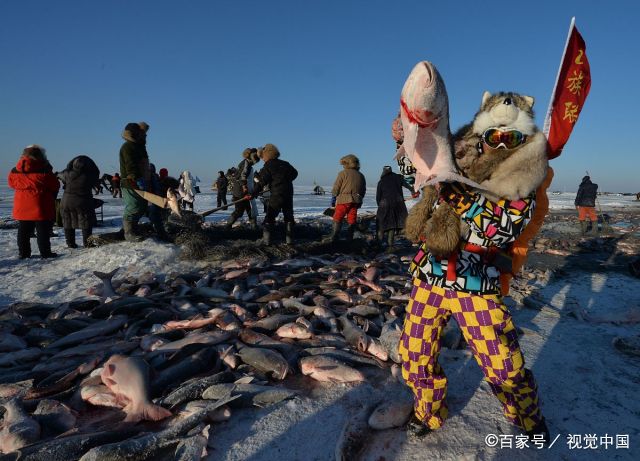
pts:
[141, 372]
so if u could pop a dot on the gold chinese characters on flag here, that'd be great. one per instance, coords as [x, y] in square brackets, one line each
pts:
[572, 88]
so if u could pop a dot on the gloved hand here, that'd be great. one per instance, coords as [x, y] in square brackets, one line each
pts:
[415, 195]
[333, 201]
[358, 205]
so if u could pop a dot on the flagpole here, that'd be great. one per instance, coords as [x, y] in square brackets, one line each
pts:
[547, 120]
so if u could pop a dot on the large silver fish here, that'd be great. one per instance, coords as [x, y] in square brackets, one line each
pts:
[424, 111]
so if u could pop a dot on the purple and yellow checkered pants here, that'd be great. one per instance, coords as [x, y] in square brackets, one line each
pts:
[488, 329]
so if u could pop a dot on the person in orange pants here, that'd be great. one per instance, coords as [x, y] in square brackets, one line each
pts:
[348, 192]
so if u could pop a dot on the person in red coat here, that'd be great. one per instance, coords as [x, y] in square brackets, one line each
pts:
[34, 203]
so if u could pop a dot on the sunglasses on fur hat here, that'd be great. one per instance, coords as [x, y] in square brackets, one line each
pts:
[505, 138]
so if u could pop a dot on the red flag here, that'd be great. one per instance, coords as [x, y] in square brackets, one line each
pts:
[569, 94]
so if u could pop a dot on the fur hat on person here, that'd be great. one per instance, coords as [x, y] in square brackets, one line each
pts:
[247, 152]
[350, 162]
[35, 152]
[132, 132]
[144, 126]
[163, 173]
[269, 152]
[254, 157]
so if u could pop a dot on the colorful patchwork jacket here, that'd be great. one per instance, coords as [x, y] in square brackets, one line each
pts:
[491, 227]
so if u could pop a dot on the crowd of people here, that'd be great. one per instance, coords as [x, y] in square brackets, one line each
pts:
[36, 188]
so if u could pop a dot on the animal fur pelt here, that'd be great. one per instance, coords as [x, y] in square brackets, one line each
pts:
[501, 173]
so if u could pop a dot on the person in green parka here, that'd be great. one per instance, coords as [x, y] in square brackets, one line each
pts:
[134, 170]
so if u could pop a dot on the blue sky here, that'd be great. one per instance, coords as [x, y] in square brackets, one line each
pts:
[318, 79]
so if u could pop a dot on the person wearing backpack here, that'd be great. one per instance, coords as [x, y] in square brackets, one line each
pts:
[243, 187]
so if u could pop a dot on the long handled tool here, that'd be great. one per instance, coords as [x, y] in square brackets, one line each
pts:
[204, 214]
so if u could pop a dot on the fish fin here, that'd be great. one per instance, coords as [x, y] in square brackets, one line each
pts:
[146, 412]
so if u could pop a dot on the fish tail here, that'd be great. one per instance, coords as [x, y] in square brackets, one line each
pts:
[107, 275]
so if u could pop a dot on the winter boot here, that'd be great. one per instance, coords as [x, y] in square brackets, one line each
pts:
[253, 223]
[541, 431]
[288, 232]
[266, 234]
[350, 231]
[380, 235]
[130, 232]
[232, 220]
[594, 228]
[335, 232]
[70, 238]
[417, 428]
[583, 227]
[44, 244]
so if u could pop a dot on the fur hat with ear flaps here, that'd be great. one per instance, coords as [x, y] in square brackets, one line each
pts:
[35, 152]
[269, 152]
[350, 162]
[247, 152]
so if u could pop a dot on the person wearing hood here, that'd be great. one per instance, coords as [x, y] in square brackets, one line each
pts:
[278, 176]
[243, 187]
[392, 212]
[34, 207]
[77, 205]
[186, 190]
[134, 171]
[585, 204]
[348, 192]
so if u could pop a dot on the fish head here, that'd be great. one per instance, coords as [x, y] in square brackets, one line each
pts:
[424, 99]
[424, 112]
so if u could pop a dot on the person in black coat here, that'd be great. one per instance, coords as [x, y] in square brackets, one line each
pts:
[77, 205]
[392, 212]
[278, 176]
[221, 184]
[585, 204]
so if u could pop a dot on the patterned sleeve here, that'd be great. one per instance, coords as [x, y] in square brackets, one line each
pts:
[500, 222]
